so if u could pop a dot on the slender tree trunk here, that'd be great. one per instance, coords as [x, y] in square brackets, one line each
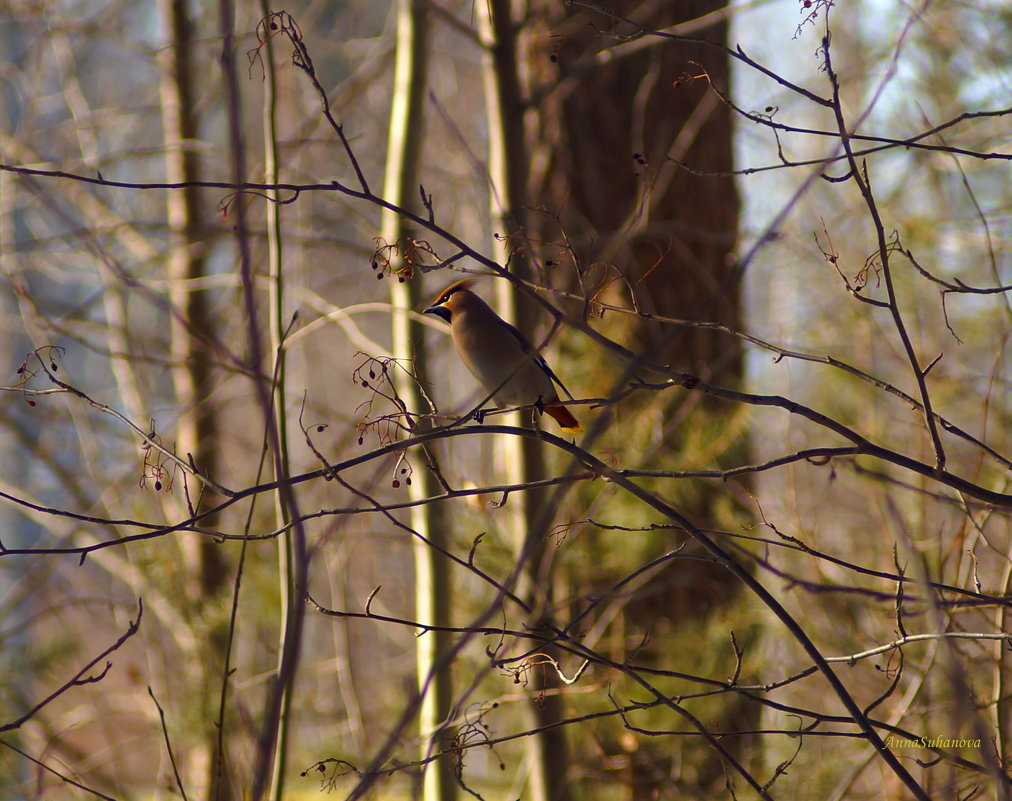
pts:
[288, 602]
[548, 750]
[192, 377]
[432, 574]
[191, 365]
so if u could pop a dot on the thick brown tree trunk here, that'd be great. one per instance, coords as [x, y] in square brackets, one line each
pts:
[615, 113]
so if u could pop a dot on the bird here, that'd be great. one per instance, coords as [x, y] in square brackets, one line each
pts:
[502, 359]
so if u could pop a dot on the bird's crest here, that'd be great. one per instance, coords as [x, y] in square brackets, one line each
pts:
[452, 289]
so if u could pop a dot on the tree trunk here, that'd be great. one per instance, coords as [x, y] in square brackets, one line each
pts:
[432, 573]
[613, 114]
[189, 354]
[547, 754]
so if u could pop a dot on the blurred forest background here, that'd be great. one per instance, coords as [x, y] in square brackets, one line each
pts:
[765, 245]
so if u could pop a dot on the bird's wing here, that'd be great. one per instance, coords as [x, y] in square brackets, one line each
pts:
[529, 349]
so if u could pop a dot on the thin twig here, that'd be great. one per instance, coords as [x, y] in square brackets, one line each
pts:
[80, 678]
[884, 249]
[168, 745]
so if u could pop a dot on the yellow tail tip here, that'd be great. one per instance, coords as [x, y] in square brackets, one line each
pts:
[565, 419]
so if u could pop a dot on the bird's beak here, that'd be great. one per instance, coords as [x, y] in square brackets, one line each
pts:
[441, 312]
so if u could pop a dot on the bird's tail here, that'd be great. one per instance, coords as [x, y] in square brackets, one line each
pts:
[565, 419]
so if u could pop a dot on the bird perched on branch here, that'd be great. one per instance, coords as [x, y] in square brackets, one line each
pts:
[499, 356]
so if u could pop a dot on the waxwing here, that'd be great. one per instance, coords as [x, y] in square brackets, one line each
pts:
[499, 356]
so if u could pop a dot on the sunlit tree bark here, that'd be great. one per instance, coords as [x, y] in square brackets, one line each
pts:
[548, 751]
[433, 580]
